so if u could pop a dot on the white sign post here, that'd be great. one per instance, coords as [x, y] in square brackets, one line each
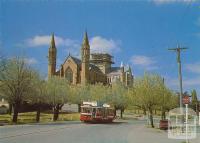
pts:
[199, 118]
[186, 101]
[186, 122]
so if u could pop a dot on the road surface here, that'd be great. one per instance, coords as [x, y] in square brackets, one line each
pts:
[77, 132]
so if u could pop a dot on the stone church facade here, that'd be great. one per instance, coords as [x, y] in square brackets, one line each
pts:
[90, 69]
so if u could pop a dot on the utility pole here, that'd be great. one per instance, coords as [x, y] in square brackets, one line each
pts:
[178, 52]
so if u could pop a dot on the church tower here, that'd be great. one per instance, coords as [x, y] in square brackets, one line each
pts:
[52, 58]
[85, 57]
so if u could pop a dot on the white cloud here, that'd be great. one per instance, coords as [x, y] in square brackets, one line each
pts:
[97, 44]
[44, 40]
[188, 83]
[38, 41]
[195, 67]
[68, 45]
[192, 81]
[145, 62]
[160, 2]
[100, 44]
[30, 61]
[142, 60]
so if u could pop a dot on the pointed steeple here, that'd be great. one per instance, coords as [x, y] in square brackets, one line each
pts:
[85, 39]
[52, 44]
[52, 57]
[85, 59]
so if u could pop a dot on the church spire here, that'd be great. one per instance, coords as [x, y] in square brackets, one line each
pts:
[52, 57]
[52, 44]
[85, 39]
[85, 57]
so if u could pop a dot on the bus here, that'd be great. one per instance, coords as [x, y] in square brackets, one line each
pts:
[98, 113]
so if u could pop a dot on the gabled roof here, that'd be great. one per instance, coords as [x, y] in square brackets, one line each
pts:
[76, 60]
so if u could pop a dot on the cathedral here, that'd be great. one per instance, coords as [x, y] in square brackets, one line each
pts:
[90, 69]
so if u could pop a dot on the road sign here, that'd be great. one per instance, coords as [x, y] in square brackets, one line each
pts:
[186, 99]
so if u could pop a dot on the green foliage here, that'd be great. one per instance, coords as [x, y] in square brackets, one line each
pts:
[79, 93]
[100, 93]
[119, 96]
[16, 81]
[195, 102]
[150, 93]
[147, 91]
[58, 90]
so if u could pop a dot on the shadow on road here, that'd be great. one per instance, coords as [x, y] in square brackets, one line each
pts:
[112, 123]
[58, 123]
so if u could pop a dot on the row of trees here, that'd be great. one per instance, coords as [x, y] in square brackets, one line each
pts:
[20, 83]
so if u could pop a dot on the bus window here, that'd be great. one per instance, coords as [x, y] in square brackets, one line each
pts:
[99, 111]
[86, 110]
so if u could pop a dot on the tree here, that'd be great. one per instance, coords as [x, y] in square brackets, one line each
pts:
[100, 93]
[80, 93]
[119, 96]
[195, 102]
[168, 101]
[2, 63]
[147, 93]
[16, 81]
[38, 95]
[58, 93]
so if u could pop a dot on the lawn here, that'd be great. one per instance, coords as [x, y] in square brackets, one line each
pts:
[29, 117]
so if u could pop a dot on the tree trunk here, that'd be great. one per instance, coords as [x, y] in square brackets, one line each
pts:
[121, 113]
[163, 115]
[16, 111]
[115, 111]
[56, 113]
[151, 118]
[79, 108]
[38, 113]
[144, 111]
[10, 109]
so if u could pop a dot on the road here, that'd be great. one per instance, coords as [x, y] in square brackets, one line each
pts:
[77, 132]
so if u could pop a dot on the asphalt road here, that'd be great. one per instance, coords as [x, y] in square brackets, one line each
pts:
[77, 132]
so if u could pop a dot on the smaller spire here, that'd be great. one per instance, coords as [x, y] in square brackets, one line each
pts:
[85, 39]
[53, 45]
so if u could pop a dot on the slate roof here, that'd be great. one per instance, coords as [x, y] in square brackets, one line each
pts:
[76, 60]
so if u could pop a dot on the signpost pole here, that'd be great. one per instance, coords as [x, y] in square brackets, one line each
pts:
[186, 106]
[199, 118]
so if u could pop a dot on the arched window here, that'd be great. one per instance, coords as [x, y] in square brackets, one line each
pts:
[69, 75]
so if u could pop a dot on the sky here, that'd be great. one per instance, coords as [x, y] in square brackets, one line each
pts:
[135, 32]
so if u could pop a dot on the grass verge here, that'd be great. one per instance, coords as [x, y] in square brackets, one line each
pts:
[29, 117]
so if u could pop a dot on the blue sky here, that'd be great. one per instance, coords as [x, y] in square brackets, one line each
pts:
[135, 32]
